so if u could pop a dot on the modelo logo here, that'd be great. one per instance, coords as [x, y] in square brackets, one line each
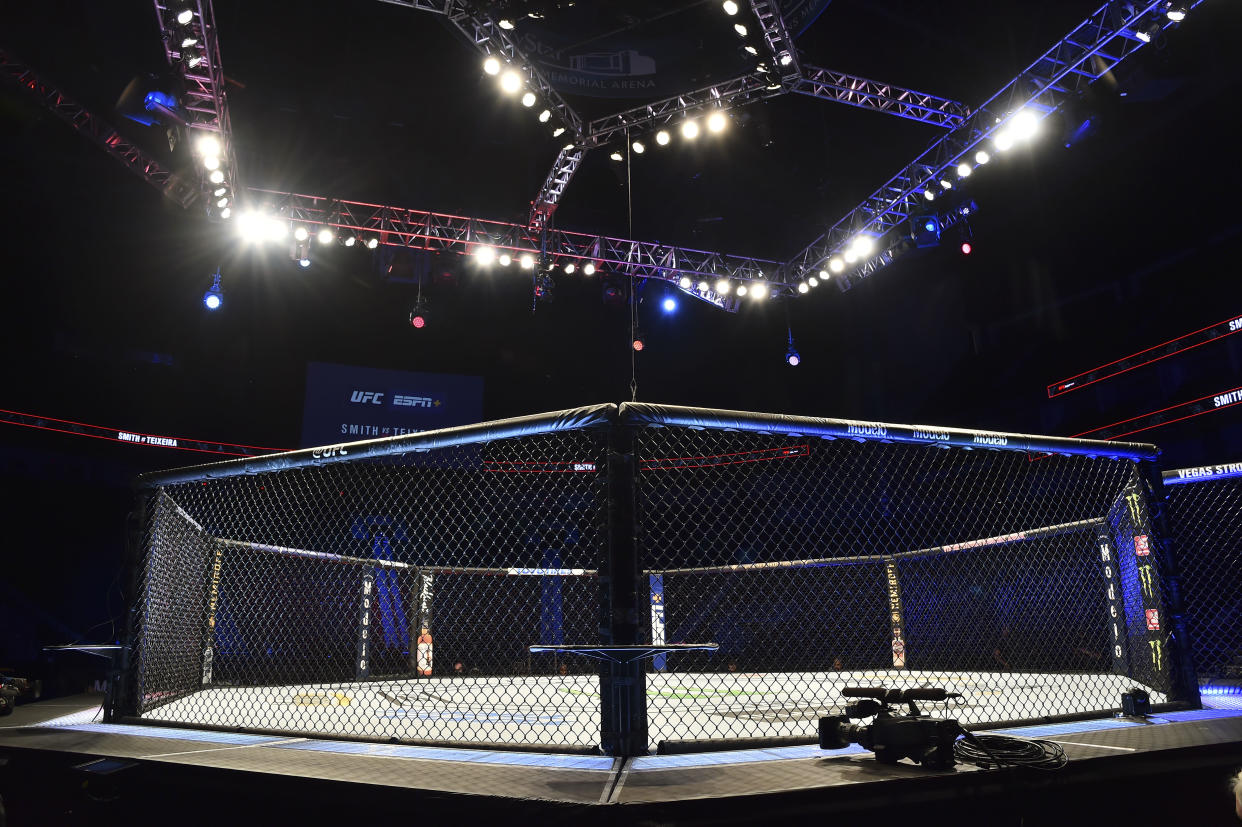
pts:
[939, 435]
[866, 430]
[330, 451]
[990, 440]
[367, 397]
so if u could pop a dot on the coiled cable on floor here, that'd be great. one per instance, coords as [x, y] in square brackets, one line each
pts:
[992, 751]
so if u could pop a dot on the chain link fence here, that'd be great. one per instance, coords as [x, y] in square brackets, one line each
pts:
[1205, 514]
[392, 589]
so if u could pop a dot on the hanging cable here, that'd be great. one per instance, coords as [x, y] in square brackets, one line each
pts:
[629, 218]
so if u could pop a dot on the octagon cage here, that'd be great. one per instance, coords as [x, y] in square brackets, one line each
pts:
[443, 587]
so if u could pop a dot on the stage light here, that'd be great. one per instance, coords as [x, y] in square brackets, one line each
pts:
[669, 305]
[850, 256]
[188, 41]
[250, 226]
[527, 261]
[616, 155]
[510, 82]
[722, 287]
[637, 345]
[350, 241]
[208, 145]
[222, 203]
[485, 255]
[863, 245]
[588, 269]
[211, 162]
[803, 287]
[185, 16]
[967, 248]
[275, 229]
[491, 65]
[528, 100]
[372, 242]
[946, 183]
[835, 264]
[505, 24]
[814, 282]
[505, 259]
[716, 122]
[690, 130]
[981, 157]
[545, 116]
[1144, 35]
[193, 61]
[740, 29]
[1176, 13]
[214, 297]
[327, 235]
[662, 137]
[567, 147]
[751, 50]
[963, 170]
[226, 212]
[639, 147]
[1024, 125]
[684, 282]
[418, 316]
[759, 290]
[730, 8]
[742, 290]
[304, 262]
[558, 132]
[569, 269]
[792, 358]
[703, 286]
[216, 176]
[301, 234]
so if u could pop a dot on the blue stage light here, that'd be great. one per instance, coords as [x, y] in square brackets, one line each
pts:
[670, 305]
[214, 297]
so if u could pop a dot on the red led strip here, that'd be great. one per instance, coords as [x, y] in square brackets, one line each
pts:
[47, 423]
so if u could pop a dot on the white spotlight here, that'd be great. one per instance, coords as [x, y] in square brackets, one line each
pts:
[327, 235]
[1143, 35]
[222, 203]
[814, 282]
[545, 116]
[982, 157]
[216, 176]
[372, 242]
[716, 122]
[511, 81]
[350, 241]
[208, 145]
[850, 256]
[1176, 13]
[684, 283]
[528, 99]
[249, 226]
[863, 246]
[568, 147]
[305, 262]
[662, 137]
[185, 16]
[1024, 124]
[751, 50]
[836, 265]
[491, 65]
[730, 8]
[1002, 140]
[742, 290]
[804, 288]
[929, 195]
[758, 290]
[722, 287]
[301, 234]
[211, 162]
[505, 259]
[485, 255]
[558, 132]
[527, 261]
[588, 269]
[946, 183]
[569, 268]
[786, 58]
[638, 147]
[275, 229]
[616, 155]
[740, 29]
[689, 130]
[220, 191]
[703, 286]
[226, 212]
[963, 170]
[505, 24]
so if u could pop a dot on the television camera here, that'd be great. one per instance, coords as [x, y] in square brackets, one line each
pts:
[894, 735]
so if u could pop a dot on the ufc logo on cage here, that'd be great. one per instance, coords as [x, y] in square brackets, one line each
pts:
[365, 397]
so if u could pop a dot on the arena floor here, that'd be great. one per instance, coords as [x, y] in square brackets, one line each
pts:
[564, 710]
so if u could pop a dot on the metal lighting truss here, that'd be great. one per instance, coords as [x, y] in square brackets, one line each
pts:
[780, 44]
[203, 95]
[882, 97]
[1087, 53]
[112, 142]
[488, 38]
[421, 230]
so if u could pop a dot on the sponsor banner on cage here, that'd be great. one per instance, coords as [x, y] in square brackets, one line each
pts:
[1116, 604]
[346, 403]
[657, 619]
[893, 584]
[1203, 472]
[362, 665]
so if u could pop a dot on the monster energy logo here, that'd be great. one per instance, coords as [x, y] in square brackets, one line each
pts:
[1157, 654]
[1134, 502]
[1147, 579]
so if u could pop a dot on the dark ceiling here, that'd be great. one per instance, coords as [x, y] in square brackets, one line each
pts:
[1082, 254]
